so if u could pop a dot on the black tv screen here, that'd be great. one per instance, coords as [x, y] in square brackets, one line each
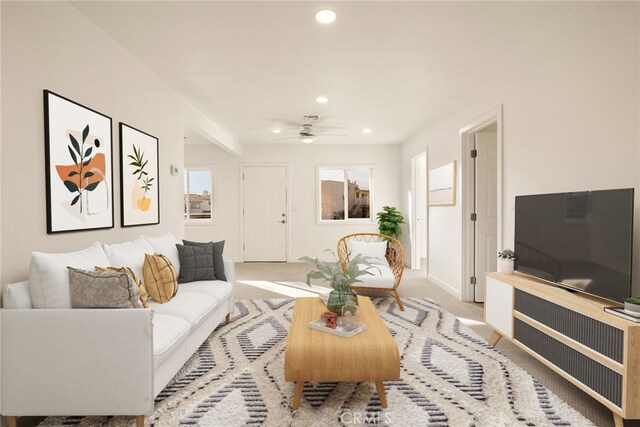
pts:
[580, 240]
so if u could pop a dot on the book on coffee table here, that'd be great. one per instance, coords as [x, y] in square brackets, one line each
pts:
[338, 330]
[621, 312]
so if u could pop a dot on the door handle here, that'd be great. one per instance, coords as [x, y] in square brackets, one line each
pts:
[283, 221]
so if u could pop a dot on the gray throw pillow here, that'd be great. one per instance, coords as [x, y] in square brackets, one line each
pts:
[218, 263]
[102, 289]
[196, 263]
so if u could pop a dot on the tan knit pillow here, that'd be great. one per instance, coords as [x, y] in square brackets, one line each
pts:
[126, 270]
[160, 277]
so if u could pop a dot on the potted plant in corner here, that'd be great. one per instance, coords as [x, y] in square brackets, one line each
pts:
[341, 281]
[632, 305]
[505, 261]
[390, 221]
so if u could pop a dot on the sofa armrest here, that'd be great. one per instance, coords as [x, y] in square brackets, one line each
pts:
[230, 270]
[76, 362]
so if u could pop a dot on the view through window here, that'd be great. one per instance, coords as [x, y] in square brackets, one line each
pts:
[198, 194]
[345, 193]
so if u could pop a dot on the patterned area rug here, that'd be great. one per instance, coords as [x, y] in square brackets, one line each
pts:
[449, 378]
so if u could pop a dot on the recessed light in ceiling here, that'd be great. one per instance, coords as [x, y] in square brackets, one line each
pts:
[366, 130]
[276, 131]
[325, 16]
[306, 140]
[322, 100]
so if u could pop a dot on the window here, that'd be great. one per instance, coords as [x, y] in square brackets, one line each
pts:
[345, 193]
[198, 193]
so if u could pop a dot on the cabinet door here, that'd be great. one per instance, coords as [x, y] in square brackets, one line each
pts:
[498, 306]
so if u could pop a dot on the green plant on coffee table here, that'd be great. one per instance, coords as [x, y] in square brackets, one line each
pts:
[507, 254]
[390, 221]
[633, 300]
[341, 281]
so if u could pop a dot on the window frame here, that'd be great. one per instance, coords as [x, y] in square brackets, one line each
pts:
[346, 168]
[185, 175]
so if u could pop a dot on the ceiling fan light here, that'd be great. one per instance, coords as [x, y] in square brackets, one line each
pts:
[322, 100]
[325, 16]
[276, 131]
[366, 130]
[306, 139]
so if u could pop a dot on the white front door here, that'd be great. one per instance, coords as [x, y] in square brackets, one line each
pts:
[486, 195]
[265, 213]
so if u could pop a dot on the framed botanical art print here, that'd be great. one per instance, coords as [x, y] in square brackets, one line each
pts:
[139, 186]
[78, 162]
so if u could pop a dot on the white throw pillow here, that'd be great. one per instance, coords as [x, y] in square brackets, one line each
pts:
[166, 245]
[375, 250]
[49, 278]
[128, 254]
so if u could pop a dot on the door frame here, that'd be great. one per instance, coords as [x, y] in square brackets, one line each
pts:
[467, 135]
[415, 258]
[287, 198]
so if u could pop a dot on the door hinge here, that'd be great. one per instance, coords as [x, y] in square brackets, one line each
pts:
[473, 280]
[243, 176]
[474, 153]
[243, 246]
[474, 217]
[242, 211]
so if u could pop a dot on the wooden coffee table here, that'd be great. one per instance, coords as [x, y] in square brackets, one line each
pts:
[312, 355]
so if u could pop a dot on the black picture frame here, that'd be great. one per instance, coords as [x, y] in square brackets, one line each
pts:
[78, 166]
[139, 176]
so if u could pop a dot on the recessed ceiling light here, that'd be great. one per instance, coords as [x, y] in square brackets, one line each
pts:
[366, 130]
[325, 16]
[322, 100]
[276, 131]
[306, 140]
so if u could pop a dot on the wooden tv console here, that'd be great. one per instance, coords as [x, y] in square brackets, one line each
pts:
[571, 334]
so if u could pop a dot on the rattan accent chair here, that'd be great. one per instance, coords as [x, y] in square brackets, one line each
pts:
[394, 255]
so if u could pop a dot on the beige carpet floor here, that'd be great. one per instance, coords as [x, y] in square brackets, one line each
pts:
[273, 280]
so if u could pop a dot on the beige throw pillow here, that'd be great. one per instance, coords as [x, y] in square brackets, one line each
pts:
[160, 278]
[126, 270]
[102, 289]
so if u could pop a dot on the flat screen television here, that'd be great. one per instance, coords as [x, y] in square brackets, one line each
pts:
[580, 240]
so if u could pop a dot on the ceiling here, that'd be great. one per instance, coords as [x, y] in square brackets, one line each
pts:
[388, 66]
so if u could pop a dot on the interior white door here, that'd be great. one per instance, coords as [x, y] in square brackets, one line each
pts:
[486, 201]
[265, 213]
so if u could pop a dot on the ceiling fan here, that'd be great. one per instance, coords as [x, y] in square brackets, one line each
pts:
[308, 134]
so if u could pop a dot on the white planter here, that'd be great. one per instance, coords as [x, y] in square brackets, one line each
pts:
[505, 266]
[632, 308]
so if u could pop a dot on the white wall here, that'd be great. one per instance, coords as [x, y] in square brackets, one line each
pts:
[50, 45]
[306, 236]
[571, 122]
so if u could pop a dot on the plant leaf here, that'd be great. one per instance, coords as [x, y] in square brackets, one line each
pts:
[85, 133]
[92, 186]
[72, 173]
[73, 155]
[71, 186]
[86, 163]
[74, 142]
[88, 152]
[75, 200]
[87, 175]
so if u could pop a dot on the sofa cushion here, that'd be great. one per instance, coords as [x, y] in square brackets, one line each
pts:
[382, 277]
[49, 278]
[218, 289]
[196, 263]
[16, 295]
[128, 254]
[160, 278]
[375, 250]
[165, 245]
[144, 296]
[216, 249]
[193, 307]
[102, 289]
[169, 332]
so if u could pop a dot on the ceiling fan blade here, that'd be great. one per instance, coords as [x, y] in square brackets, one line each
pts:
[286, 123]
[287, 137]
[332, 134]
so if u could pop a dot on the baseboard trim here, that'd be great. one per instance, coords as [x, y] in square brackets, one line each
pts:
[453, 291]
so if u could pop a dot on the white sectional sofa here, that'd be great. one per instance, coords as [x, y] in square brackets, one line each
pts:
[65, 361]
